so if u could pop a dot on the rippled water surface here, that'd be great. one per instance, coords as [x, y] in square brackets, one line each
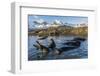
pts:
[80, 52]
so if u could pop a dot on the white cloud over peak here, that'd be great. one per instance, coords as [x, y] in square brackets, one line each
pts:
[40, 20]
[58, 21]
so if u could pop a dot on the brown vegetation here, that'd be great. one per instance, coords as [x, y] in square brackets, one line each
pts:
[61, 30]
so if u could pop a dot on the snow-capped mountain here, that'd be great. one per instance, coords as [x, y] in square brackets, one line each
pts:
[44, 24]
[55, 23]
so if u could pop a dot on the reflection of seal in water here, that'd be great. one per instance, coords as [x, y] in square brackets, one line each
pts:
[44, 49]
[52, 45]
[41, 38]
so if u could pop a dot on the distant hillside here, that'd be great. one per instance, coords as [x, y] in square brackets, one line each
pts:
[60, 30]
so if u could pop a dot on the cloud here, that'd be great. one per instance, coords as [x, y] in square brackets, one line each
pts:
[36, 17]
[57, 21]
[40, 21]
